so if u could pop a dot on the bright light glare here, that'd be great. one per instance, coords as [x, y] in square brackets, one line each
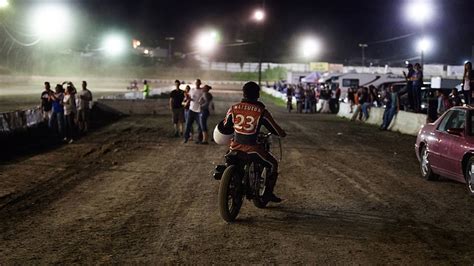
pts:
[309, 47]
[207, 41]
[4, 3]
[114, 45]
[51, 21]
[419, 11]
[259, 15]
[424, 45]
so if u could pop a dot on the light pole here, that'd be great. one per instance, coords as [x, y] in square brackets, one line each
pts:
[363, 46]
[420, 12]
[169, 39]
[259, 17]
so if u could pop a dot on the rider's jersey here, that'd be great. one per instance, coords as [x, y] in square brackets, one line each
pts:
[246, 118]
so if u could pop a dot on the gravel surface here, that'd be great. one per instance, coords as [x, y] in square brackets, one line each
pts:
[130, 193]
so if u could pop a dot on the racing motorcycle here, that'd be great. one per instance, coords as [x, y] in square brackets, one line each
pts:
[243, 178]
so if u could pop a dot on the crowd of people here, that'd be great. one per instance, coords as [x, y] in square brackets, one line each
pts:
[189, 106]
[65, 110]
[307, 97]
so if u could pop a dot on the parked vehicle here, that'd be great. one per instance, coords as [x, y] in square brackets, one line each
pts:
[446, 147]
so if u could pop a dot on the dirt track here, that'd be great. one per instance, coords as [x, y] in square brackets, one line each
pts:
[131, 193]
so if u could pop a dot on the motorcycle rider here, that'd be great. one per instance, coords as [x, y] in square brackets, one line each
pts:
[246, 118]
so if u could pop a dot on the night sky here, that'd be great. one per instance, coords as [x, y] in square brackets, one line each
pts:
[341, 25]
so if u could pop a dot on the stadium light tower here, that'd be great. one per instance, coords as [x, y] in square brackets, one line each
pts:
[259, 17]
[4, 4]
[309, 47]
[424, 45]
[51, 22]
[419, 11]
[114, 45]
[207, 41]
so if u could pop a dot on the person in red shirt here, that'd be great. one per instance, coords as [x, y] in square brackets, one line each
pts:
[246, 119]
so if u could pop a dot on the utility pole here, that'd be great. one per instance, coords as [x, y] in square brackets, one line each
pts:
[169, 39]
[363, 46]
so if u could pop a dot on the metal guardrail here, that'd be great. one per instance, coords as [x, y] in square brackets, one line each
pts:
[19, 120]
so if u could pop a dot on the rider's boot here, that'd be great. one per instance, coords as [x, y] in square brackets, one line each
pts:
[271, 196]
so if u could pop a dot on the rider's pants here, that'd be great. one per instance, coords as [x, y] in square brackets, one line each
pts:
[259, 154]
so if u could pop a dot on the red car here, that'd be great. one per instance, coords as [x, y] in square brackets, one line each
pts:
[446, 147]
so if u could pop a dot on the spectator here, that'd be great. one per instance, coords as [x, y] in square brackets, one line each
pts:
[351, 98]
[299, 99]
[409, 78]
[417, 84]
[392, 108]
[455, 98]
[69, 103]
[206, 103]
[289, 98]
[84, 108]
[368, 102]
[468, 83]
[146, 89]
[194, 110]
[324, 101]
[360, 99]
[177, 110]
[337, 94]
[443, 102]
[57, 118]
[307, 100]
[46, 102]
[186, 102]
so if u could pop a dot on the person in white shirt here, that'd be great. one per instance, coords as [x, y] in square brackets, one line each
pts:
[69, 102]
[194, 112]
[84, 108]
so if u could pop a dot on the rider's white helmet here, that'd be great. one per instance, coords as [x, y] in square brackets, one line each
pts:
[221, 135]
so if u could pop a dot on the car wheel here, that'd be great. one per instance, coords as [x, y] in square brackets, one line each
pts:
[470, 176]
[425, 166]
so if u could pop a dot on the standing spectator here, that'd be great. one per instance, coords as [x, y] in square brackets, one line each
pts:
[69, 103]
[146, 89]
[417, 84]
[337, 93]
[194, 110]
[351, 98]
[289, 98]
[57, 118]
[84, 108]
[206, 103]
[468, 83]
[46, 102]
[186, 102]
[308, 98]
[409, 78]
[368, 102]
[177, 110]
[443, 102]
[299, 96]
[392, 108]
[455, 98]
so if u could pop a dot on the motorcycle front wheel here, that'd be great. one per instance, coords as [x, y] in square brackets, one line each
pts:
[261, 193]
[230, 194]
